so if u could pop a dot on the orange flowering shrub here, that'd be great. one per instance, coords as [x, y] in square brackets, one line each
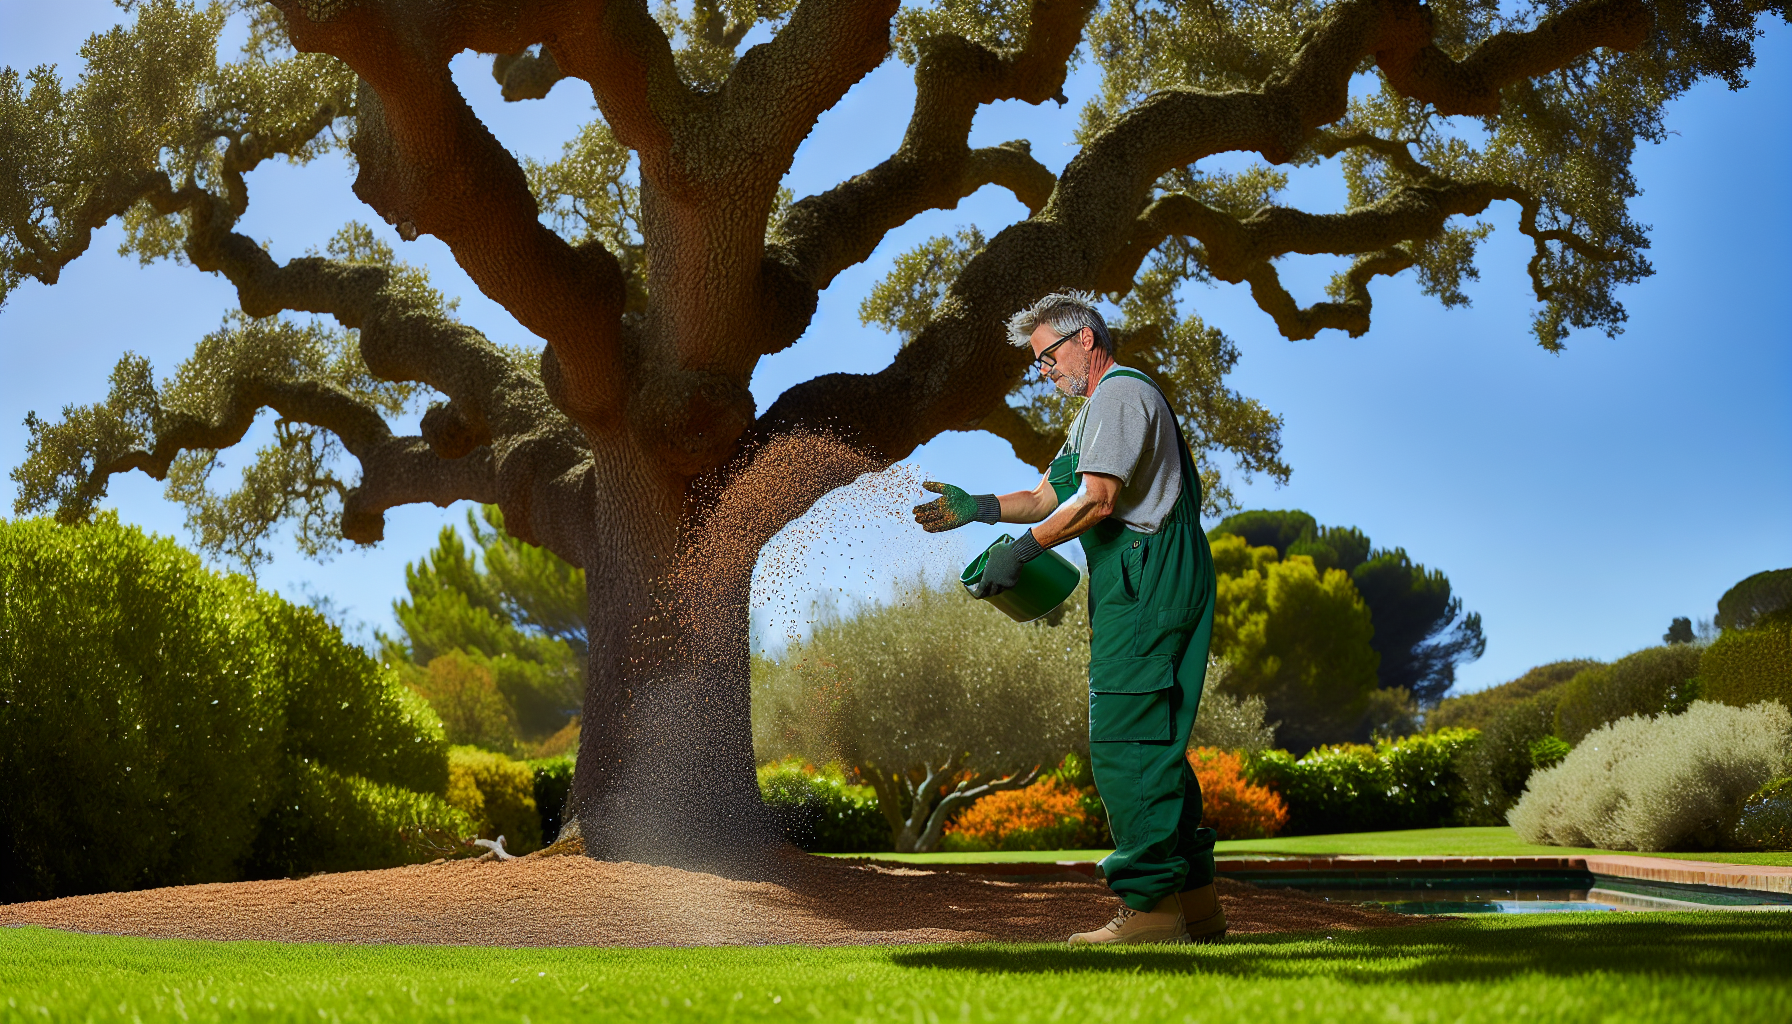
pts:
[1048, 815]
[1230, 805]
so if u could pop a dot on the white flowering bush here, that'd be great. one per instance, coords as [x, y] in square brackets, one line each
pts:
[1658, 782]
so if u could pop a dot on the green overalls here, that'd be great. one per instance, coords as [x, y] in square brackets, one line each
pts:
[1151, 599]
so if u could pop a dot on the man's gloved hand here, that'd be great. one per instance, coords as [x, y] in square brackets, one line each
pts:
[1001, 571]
[954, 508]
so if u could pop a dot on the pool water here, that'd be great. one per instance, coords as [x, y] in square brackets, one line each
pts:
[1515, 893]
[1434, 900]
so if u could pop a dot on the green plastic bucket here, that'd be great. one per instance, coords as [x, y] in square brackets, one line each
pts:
[1045, 583]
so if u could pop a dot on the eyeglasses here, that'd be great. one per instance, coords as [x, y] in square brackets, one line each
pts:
[1045, 360]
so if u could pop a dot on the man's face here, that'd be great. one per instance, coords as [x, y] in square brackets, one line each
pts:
[1067, 357]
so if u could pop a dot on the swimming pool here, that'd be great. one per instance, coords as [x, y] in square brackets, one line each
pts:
[1509, 892]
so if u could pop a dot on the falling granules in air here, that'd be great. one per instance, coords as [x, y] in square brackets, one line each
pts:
[808, 514]
[796, 498]
[857, 545]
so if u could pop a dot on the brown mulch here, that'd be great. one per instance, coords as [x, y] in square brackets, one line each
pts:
[575, 901]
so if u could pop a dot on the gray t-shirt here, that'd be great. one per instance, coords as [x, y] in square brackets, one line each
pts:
[1126, 430]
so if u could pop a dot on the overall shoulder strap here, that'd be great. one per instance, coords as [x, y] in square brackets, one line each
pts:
[1127, 371]
[1188, 452]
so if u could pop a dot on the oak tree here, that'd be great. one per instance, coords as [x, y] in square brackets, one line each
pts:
[658, 262]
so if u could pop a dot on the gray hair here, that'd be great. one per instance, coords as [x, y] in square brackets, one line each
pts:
[1064, 312]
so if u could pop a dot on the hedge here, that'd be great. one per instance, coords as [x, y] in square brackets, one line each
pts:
[1749, 665]
[154, 715]
[498, 794]
[1659, 782]
[1653, 681]
[1766, 819]
[336, 822]
[1414, 782]
[819, 811]
[1495, 770]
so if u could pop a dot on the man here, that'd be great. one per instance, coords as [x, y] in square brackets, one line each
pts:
[1125, 485]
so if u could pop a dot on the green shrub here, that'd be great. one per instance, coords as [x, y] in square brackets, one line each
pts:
[1414, 782]
[139, 728]
[345, 710]
[1548, 752]
[1658, 783]
[1653, 681]
[335, 822]
[1478, 710]
[498, 794]
[1766, 820]
[553, 784]
[820, 811]
[1749, 665]
[154, 715]
[463, 691]
[1494, 772]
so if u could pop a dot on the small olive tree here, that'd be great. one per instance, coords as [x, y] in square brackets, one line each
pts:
[1229, 721]
[937, 699]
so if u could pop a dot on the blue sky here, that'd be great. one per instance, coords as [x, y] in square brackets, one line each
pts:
[1578, 501]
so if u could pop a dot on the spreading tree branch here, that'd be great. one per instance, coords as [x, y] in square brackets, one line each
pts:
[934, 167]
[428, 165]
[1418, 69]
[1094, 213]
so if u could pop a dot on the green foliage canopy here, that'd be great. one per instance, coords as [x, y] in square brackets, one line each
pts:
[1747, 665]
[161, 130]
[1760, 595]
[495, 634]
[1295, 636]
[1421, 633]
[1478, 710]
[1652, 681]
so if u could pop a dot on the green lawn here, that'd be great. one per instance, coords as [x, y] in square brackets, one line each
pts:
[1564, 967]
[1424, 842]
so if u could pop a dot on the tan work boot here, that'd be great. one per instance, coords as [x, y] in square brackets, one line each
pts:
[1162, 924]
[1202, 913]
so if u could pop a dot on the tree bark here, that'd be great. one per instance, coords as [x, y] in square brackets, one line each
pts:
[666, 772]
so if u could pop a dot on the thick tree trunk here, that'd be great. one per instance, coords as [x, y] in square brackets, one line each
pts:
[666, 771]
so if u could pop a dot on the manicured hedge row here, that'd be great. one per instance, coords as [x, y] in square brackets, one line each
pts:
[818, 810]
[1748, 665]
[1415, 782]
[498, 794]
[161, 723]
[1653, 681]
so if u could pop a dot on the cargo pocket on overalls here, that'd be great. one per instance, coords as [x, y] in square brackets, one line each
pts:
[1129, 699]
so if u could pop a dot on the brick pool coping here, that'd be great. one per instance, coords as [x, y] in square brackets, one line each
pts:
[1758, 877]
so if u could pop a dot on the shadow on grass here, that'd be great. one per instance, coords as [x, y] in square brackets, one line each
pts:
[1736, 946]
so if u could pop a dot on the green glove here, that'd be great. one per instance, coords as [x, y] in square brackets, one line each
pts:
[955, 507]
[1001, 571]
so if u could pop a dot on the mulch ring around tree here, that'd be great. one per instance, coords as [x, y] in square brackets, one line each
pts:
[575, 901]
